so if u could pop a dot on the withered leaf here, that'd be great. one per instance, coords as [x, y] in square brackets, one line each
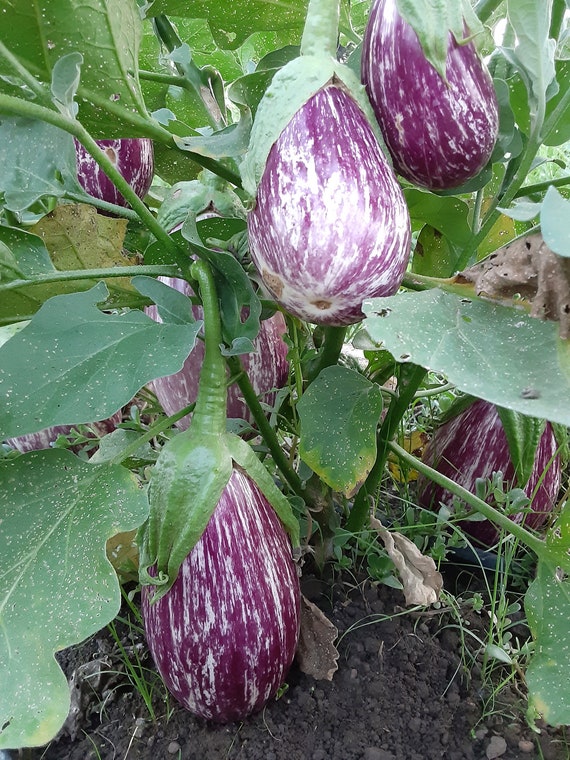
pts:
[316, 653]
[421, 581]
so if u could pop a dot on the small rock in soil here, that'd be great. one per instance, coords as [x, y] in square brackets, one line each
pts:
[375, 753]
[496, 748]
[526, 746]
[173, 748]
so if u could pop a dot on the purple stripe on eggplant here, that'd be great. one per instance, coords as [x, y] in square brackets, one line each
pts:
[474, 445]
[224, 636]
[330, 226]
[267, 367]
[44, 439]
[439, 134]
[134, 159]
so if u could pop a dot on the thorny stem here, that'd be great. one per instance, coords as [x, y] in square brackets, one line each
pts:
[93, 274]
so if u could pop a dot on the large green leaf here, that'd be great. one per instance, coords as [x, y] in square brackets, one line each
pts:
[491, 351]
[547, 606]
[75, 364]
[36, 159]
[106, 32]
[339, 413]
[554, 222]
[231, 27]
[58, 587]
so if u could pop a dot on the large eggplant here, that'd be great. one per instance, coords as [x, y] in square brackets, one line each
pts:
[440, 133]
[267, 367]
[133, 158]
[330, 226]
[225, 634]
[44, 439]
[473, 445]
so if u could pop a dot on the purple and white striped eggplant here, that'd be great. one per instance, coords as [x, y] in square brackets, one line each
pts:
[473, 445]
[224, 636]
[440, 134]
[44, 439]
[330, 226]
[267, 367]
[133, 158]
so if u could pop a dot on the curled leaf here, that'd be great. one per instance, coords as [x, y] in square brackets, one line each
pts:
[422, 582]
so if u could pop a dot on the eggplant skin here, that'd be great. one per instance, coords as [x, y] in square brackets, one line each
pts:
[474, 445]
[225, 634]
[439, 134]
[330, 226]
[45, 438]
[133, 157]
[267, 367]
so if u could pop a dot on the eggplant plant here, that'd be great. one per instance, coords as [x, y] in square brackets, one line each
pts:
[394, 197]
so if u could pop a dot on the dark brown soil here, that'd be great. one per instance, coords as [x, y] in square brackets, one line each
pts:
[401, 692]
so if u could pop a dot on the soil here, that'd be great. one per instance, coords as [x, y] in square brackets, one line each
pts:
[402, 691]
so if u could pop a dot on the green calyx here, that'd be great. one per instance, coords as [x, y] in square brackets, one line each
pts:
[194, 467]
[296, 83]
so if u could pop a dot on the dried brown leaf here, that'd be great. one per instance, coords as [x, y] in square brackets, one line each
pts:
[316, 653]
[421, 581]
[528, 268]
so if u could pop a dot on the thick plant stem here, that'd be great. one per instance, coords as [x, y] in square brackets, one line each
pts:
[210, 412]
[267, 432]
[320, 35]
[527, 538]
[330, 351]
[360, 509]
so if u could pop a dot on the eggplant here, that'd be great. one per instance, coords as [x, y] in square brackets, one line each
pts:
[44, 439]
[225, 634]
[267, 367]
[133, 158]
[473, 445]
[330, 226]
[439, 133]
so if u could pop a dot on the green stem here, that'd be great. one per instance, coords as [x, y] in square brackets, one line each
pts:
[93, 274]
[558, 12]
[320, 35]
[152, 432]
[36, 87]
[267, 432]
[330, 351]
[540, 187]
[534, 543]
[209, 416]
[112, 208]
[396, 411]
[485, 8]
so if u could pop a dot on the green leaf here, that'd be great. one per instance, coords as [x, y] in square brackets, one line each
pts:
[554, 215]
[173, 306]
[106, 32]
[339, 413]
[74, 363]
[523, 435]
[547, 606]
[557, 122]
[235, 292]
[247, 16]
[534, 53]
[230, 142]
[28, 175]
[58, 586]
[65, 81]
[494, 352]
